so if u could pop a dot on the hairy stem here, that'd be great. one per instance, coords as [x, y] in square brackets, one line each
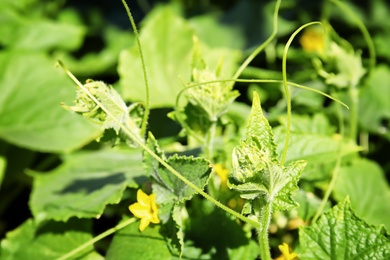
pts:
[210, 141]
[265, 219]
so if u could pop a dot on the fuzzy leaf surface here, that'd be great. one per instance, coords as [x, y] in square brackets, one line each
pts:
[84, 184]
[340, 234]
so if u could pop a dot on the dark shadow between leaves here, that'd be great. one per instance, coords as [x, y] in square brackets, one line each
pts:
[91, 185]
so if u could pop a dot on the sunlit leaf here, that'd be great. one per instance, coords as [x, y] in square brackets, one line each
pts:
[84, 184]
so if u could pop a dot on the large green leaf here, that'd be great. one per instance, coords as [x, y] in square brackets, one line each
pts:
[364, 182]
[29, 33]
[374, 112]
[84, 184]
[49, 240]
[30, 112]
[340, 234]
[167, 45]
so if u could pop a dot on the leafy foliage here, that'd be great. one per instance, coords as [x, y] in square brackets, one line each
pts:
[340, 234]
[173, 115]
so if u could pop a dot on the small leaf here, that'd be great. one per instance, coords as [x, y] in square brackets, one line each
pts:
[84, 184]
[196, 170]
[285, 184]
[48, 240]
[259, 127]
[367, 176]
[340, 234]
[3, 164]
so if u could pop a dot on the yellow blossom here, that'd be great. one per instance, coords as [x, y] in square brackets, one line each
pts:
[286, 255]
[145, 209]
[221, 171]
[312, 40]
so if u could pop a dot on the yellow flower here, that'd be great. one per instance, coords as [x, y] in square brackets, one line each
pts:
[286, 255]
[221, 171]
[312, 40]
[145, 209]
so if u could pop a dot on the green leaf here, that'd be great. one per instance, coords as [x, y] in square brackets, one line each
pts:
[84, 184]
[48, 240]
[216, 34]
[312, 139]
[285, 183]
[374, 112]
[129, 243]
[259, 127]
[365, 184]
[257, 169]
[196, 170]
[29, 33]
[30, 112]
[167, 187]
[349, 66]
[340, 234]
[167, 43]
[103, 62]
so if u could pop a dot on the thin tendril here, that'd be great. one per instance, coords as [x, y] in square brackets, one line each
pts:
[263, 45]
[97, 238]
[286, 89]
[147, 97]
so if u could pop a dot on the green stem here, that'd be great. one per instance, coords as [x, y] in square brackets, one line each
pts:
[97, 238]
[263, 45]
[210, 140]
[147, 101]
[335, 174]
[265, 219]
[335, 171]
[286, 88]
[140, 142]
[353, 118]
